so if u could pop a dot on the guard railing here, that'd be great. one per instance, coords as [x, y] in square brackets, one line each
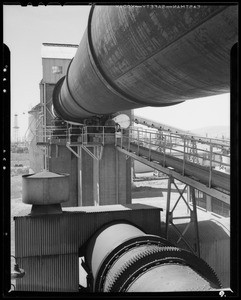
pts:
[213, 153]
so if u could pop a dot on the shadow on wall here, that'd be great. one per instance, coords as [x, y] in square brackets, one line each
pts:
[214, 246]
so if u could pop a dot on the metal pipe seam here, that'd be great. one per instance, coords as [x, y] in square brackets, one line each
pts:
[130, 58]
[56, 100]
[58, 104]
[174, 41]
[104, 79]
[72, 97]
[205, 16]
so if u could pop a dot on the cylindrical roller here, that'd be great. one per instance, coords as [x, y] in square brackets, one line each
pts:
[135, 56]
[122, 258]
[113, 236]
[110, 241]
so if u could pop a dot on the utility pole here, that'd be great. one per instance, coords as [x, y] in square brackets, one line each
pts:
[16, 129]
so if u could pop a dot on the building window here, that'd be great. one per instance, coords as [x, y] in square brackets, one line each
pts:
[198, 194]
[220, 208]
[56, 69]
[217, 206]
[200, 199]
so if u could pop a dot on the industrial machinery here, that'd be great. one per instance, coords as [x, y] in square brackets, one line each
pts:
[136, 56]
[132, 57]
[129, 57]
[121, 246]
[122, 258]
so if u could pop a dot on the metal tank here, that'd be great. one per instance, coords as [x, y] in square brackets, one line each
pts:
[151, 55]
[122, 258]
[45, 191]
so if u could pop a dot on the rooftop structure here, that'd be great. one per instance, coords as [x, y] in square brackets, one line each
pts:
[62, 51]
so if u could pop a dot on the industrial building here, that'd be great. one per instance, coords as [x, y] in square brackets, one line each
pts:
[84, 143]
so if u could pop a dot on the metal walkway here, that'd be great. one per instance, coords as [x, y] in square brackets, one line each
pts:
[201, 163]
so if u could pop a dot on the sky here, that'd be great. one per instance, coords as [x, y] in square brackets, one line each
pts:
[26, 28]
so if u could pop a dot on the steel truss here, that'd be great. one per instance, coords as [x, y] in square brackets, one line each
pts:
[193, 216]
[79, 146]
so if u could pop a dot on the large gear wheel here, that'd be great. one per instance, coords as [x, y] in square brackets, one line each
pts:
[123, 258]
[135, 244]
[154, 256]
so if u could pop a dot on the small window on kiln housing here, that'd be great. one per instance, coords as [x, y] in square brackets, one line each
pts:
[56, 69]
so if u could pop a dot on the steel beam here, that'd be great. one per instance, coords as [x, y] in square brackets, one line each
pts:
[185, 179]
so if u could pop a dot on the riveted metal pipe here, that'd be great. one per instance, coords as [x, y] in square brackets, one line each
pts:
[136, 56]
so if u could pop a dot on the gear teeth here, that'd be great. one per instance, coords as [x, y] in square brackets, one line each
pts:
[215, 277]
[144, 241]
[159, 252]
[125, 267]
[149, 250]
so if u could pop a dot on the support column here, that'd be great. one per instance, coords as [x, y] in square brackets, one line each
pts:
[193, 217]
[169, 186]
[108, 176]
[79, 176]
[208, 203]
[104, 182]
[123, 178]
[96, 179]
[195, 222]
[86, 179]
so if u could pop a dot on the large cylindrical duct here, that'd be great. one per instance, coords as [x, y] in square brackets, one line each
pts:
[136, 56]
[122, 258]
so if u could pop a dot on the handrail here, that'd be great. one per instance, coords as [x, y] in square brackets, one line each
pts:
[207, 153]
[167, 128]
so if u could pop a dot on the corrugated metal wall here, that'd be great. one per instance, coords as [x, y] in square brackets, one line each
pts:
[214, 246]
[47, 247]
[217, 255]
[49, 273]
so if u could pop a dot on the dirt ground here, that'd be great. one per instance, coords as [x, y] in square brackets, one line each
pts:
[22, 158]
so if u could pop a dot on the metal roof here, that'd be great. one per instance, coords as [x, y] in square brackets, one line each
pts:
[62, 51]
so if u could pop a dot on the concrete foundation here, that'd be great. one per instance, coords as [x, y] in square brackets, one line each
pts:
[115, 177]
[64, 161]
[85, 179]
